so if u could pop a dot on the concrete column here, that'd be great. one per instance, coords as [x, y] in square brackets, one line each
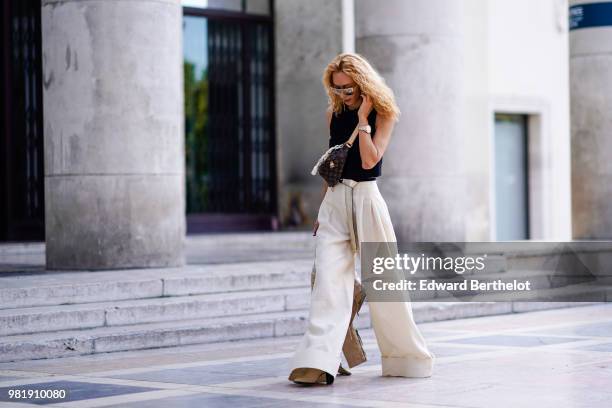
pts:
[308, 36]
[113, 129]
[417, 46]
[591, 122]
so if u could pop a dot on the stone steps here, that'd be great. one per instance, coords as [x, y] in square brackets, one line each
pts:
[88, 300]
[150, 335]
[152, 310]
[61, 288]
[62, 313]
[58, 288]
[176, 333]
[224, 291]
[170, 333]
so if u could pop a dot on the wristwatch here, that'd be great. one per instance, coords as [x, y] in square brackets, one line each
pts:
[365, 128]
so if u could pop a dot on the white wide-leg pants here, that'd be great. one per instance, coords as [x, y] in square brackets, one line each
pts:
[352, 212]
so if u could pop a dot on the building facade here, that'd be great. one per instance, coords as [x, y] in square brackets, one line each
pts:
[127, 125]
[482, 149]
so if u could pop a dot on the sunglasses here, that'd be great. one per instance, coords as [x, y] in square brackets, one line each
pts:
[343, 91]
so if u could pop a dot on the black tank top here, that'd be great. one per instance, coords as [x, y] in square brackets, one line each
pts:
[341, 128]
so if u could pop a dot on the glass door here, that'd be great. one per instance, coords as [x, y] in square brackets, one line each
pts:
[511, 177]
[229, 138]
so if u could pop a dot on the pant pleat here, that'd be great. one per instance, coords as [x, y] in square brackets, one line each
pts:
[403, 349]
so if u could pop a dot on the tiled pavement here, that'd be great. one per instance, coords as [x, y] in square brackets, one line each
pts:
[555, 358]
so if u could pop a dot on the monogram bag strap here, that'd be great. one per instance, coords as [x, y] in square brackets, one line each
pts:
[353, 136]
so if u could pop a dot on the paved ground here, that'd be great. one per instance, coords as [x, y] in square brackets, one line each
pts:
[557, 358]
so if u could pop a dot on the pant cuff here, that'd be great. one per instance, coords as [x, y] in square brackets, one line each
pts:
[320, 360]
[407, 367]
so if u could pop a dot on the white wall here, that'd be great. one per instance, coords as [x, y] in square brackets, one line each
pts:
[528, 72]
[475, 129]
[515, 59]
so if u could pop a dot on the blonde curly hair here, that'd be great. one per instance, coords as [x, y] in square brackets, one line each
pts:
[367, 79]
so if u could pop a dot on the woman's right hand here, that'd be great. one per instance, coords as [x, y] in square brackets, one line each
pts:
[316, 227]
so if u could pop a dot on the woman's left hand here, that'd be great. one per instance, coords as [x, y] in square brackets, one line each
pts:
[366, 107]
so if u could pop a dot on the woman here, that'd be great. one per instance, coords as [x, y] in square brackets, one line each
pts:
[351, 212]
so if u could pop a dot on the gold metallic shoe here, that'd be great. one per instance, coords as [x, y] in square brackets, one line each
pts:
[307, 375]
[343, 371]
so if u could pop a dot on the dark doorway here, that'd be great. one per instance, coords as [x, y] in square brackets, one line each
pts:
[229, 120]
[21, 136]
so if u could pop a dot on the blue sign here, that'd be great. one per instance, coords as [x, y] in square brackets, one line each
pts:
[590, 15]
